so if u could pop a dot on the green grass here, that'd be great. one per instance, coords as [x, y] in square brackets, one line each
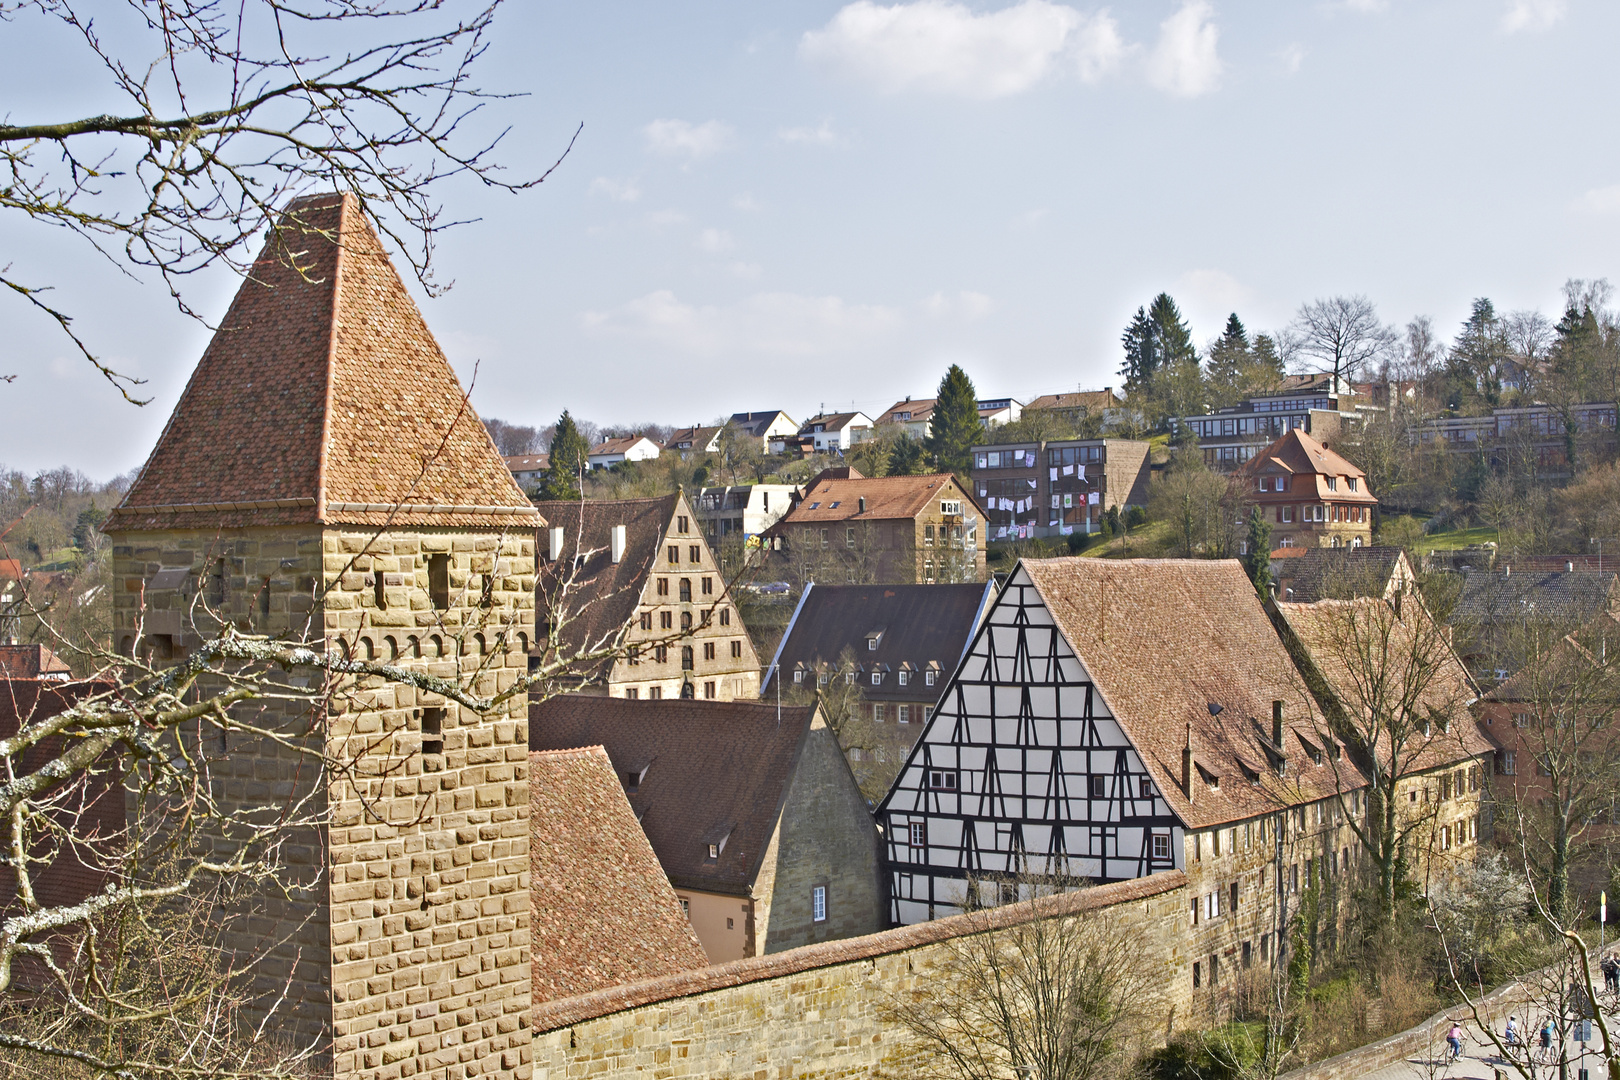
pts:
[1456, 539]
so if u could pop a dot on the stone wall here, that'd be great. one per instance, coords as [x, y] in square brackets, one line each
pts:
[819, 1010]
[404, 945]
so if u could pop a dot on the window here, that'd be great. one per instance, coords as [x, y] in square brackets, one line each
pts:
[666, 620]
[818, 904]
[694, 553]
[731, 923]
[1521, 719]
[663, 586]
[1350, 481]
[725, 616]
[633, 693]
[432, 731]
[682, 524]
[633, 654]
[877, 678]
[1145, 789]
[1233, 903]
[686, 590]
[902, 714]
[849, 537]
[917, 834]
[708, 586]
[928, 678]
[1333, 483]
[646, 620]
[439, 581]
[1161, 846]
[708, 690]
[686, 907]
[951, 507]
[714, 851]
[661, 653]
[1507, 763]
[1196, 981]
[674, 554]
[736, 650]
[877, 712]
[708, 650]
[928, 536]
[905, 677]
[655, 693]
[942, 779]
[687, 663]
[1099, 787]
[798, 678]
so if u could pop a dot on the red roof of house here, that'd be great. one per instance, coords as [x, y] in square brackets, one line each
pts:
[604, 914]
[323, 397]
[1301, 456]
[918, 410]
[31, 662]
[11, 570]
[887, 497]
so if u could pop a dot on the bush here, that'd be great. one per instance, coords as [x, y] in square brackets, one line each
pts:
[1224, 1053]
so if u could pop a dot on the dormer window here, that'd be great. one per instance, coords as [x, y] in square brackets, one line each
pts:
[714, 851]
[1351, 482]
[905, 678]
[1333, 483]
[928, 678]
[798, 678]
[877, 678]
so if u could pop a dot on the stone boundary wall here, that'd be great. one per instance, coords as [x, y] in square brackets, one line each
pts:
[817, 1010]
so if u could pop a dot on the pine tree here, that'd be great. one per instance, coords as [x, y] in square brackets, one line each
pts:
[1258, 561]
[1141, 353]
[956, 425]
[568, 461]
[1268, 363]
[1229, 361]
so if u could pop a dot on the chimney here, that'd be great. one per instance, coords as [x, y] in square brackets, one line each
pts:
[1277, 724]
[556, 544]
[1569, 567]
[618, 543]
[863, 504]
[1187, 765]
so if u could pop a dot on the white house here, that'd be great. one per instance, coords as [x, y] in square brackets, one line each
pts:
[835, 432]
[749, 509]
[694, 440]
[997, 411]
[771, 426]
[625, 448]
[915, 415]
[527, 469]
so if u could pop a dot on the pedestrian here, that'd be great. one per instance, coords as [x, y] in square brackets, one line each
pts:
[1611, 974]
[1511, 1035]
[1454, 1040]
[1546, 1040]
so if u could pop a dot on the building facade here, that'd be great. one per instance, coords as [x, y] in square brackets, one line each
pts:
[639, 572]
[1540, 438]
[1230, 437]
[528, 470]
[833, 433]
[914, 416]
[323, 481]
[1057, 488]
[1310, 495]
[610, 452]
[852, 529]
[749, 509]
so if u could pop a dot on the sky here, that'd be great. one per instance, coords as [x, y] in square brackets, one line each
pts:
[801, 205]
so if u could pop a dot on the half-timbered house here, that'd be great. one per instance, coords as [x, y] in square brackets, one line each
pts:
[1115, 719]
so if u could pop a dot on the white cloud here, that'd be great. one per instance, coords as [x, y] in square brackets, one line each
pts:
[1184, 62]
[1367, 7]
[1292, 56]
[681, 137]
[768, 324]
[937, 46]
[746, 203]
[1208, 296]
[617, 190]
[820, 135]
[746, 270]
[970, 306]
[715, 241]
[1603, 200]
[1532, 15]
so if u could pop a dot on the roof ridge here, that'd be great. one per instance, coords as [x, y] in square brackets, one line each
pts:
[323, 444]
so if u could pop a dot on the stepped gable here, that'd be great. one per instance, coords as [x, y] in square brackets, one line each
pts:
[1165, 639]
[604, 913]
[323, 398]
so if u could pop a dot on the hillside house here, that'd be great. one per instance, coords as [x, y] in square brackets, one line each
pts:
[751, 809]
[528, 470]
[1104, 406]
[748, 509]
[768, 427]
[610, 452]
[639, 571]
[914, 416]
[852, 529]
[1311, 496]
[993, 412]
[693, 440]
[833, 433]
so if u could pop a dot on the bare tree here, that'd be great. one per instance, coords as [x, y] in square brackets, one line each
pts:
[1042, 989]
[224, 114]
[1341, 333]
[1393, 691]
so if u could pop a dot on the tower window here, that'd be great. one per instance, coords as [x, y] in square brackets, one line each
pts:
[432, 735]
[439, 581]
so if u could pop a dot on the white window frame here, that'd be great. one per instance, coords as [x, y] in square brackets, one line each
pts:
[818, 903]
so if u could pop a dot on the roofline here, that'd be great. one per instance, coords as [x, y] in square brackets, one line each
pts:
[770, 672]
[985, 603]
[331, 362]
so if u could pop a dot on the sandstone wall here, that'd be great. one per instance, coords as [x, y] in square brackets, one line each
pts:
[819, 1010]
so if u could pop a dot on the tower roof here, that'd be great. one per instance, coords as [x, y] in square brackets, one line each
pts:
[323, 398]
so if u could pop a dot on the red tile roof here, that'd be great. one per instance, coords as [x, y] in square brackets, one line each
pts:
[31, 662]
[920, 409]
[1165, 640]
[1085, 400]
[887, 497]
[711, 772]
[323, 397]
[528, 462]
[11, 570]
[604, 913]
[1301, 456]
[619, 444]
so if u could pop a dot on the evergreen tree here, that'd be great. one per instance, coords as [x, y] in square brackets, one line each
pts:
[1141, 353]
[568, 461]
[908, 456]
[956, 425]
[1258, 560]
[1229, 361]
[1267, 363]
[1161, 365]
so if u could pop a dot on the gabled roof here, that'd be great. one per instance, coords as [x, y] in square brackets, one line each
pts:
[604, 914]
[711, 772]
[1312, 574]
[1561, 597]
[1164, 640]
[32, 662]
[887, 497]
[602, 594]
[1083, 400]
[528, 462]
[920, 409]
[1580, 649]
[1301, 456]
[920, 624]
[323, 397]
[831, 421]
[620, 444]
[755, 423]
[1335, 633]
[697, 438]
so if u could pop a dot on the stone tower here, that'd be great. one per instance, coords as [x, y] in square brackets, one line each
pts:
[323, 479]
